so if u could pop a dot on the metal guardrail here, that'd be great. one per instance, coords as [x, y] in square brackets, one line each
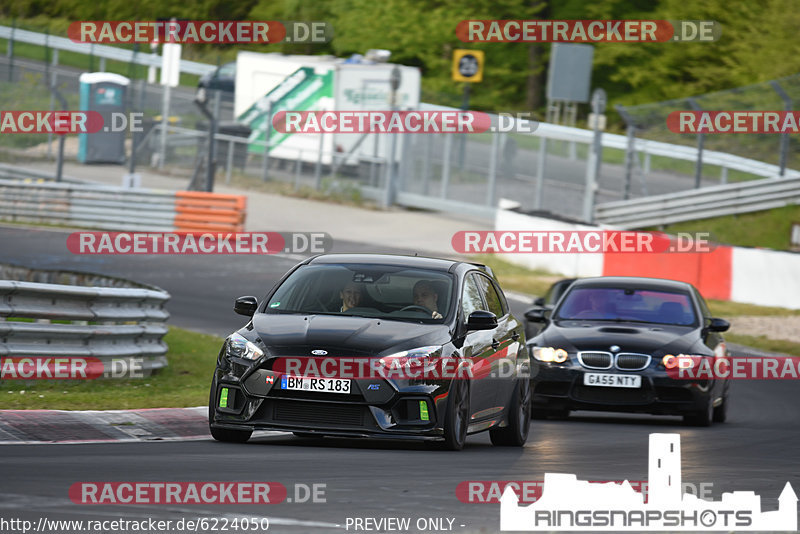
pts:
[99, 50]
[108, 207]
[111, 324]
[89, 206]
[648, 147]
[14, 172]
[715, 201]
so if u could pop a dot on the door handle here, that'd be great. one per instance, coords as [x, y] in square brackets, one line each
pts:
[515, 336]
[495, 344]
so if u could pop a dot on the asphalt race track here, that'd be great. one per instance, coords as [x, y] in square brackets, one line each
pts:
[757, 449]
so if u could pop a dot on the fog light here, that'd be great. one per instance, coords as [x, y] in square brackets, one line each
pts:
[423, 411]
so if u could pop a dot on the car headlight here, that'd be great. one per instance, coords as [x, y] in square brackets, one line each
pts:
[422, 358]
[238, 346]
[549, 354]
[681, 361]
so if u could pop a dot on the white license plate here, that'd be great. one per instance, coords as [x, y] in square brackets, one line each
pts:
[322, 385]
[612, 381]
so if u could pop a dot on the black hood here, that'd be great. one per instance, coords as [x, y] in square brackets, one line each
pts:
[583, 335]
[342, 335]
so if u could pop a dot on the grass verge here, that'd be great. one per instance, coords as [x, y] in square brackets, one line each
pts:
[184, 382]
[764, 229]
[764, 343]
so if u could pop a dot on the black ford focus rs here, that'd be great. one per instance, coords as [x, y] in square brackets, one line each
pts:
[614, 344]
[376, 346]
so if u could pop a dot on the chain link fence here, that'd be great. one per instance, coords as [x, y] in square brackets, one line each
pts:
[540, 171]
[649, 121]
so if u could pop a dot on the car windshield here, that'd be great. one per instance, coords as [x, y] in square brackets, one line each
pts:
[620, 304]
[366, 290]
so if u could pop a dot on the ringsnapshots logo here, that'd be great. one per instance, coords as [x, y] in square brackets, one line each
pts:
[567, 503]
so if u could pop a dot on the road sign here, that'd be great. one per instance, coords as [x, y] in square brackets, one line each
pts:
[468, 65]
[598, 120]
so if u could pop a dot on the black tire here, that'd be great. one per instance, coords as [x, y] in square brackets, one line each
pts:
[702, 418]
[223, 434]
[721, 411]
[456, 419]
[515, 434]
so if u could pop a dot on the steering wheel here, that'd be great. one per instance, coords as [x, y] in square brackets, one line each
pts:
[321, 305]
[414, 307]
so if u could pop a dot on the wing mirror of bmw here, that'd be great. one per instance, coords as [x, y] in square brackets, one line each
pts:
[481, 320]
[538, 315]
[246, 306]
[539, 301]
[718, 325]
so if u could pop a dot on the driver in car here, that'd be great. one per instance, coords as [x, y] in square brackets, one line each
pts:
[351, 296]
[425, 295]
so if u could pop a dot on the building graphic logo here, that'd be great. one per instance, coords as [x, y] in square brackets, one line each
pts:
[571, 504]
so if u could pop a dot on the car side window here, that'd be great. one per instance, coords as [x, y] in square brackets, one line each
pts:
[503, 300]
[703, 306]
[493, 301]
[226, 71]
[471, 299]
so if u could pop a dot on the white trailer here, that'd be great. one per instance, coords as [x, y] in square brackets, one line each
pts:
[317, 83]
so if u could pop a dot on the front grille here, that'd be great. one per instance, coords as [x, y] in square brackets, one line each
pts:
[628, 361]
[601, 395]
[354, 395]
[595, 360]
[554, 389]
[319, 413]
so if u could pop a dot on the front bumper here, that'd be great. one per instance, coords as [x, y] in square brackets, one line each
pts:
[374, 407]
[561, 387]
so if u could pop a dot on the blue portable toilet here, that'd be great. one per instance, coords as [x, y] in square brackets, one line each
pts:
[103, 92]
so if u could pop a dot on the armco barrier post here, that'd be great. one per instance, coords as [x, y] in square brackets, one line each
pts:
[595, 157]
[630, 151]
[701, 138]
[10, 51]
[787, 106]
[267, 133]
[541, 166]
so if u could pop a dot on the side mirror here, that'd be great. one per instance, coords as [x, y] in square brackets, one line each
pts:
[481, 320]
[539, 301]
[538, 315]
[246, 306]
[718, 325]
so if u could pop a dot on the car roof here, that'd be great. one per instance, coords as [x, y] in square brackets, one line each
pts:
[397, 260]
[636, 282]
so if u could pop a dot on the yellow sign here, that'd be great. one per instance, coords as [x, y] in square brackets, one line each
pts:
[468, 65]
